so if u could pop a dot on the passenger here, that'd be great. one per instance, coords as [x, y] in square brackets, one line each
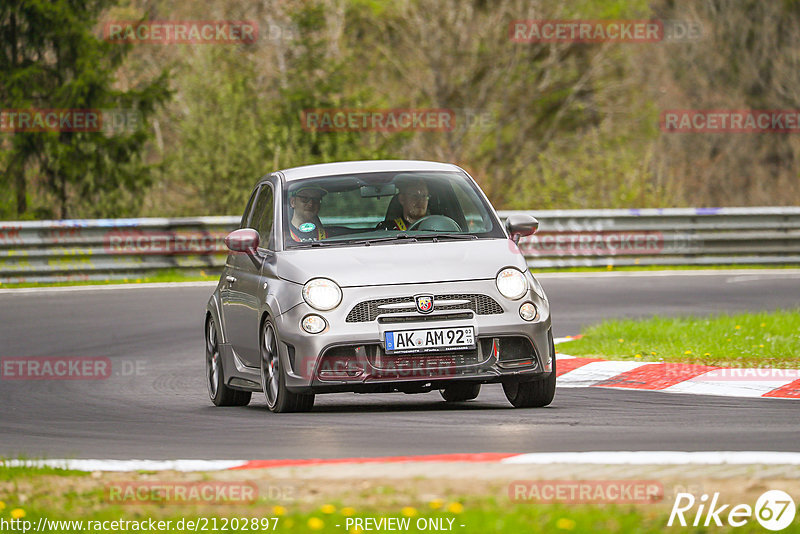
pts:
[305, 224]
[413, 198]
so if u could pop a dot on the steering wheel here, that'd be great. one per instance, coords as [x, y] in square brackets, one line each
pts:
[436, 223]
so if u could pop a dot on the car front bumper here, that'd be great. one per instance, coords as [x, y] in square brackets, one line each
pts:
[350, 355]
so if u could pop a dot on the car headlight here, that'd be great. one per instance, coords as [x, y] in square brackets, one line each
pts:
[511, 283]
[322, 294]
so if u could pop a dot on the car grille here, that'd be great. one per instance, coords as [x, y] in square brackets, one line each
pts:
[378, 364]
[417, 318]
[422, 361]
[515, 349]
[369, 310]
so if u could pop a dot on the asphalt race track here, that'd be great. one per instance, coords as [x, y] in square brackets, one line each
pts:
[155, 403]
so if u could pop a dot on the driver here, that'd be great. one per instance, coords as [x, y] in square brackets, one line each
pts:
[413, 197]
[305, 224]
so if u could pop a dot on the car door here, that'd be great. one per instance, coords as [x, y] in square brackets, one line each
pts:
[242, 283]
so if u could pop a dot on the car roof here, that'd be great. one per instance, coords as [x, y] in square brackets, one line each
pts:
[358, 167]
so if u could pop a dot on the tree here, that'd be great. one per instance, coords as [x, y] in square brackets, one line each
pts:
[50, 58]
[745, 59]
[238, 119]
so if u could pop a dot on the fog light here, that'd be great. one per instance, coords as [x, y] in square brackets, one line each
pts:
[314, 324]
[528, 312]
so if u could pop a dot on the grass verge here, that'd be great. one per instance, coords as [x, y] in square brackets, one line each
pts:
[766, 339]
[323, 506]
[160, 276]
[175, 275]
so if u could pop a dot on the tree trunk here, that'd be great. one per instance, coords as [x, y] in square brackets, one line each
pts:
[63, 196]
[21, 188]
[17, 170]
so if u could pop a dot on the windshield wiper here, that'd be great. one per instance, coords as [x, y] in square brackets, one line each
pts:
[310, 244]
[397, 237]
[447, 236]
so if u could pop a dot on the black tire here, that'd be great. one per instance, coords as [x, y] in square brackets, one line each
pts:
[218, 392]
[534, 394]
[460, 392]
[273, 378]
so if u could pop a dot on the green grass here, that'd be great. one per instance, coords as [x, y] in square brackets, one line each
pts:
[480, 515]
[17, 473]
[166, 275]
[766, 339]
[488, 515]
[483, 518]
[32, 493]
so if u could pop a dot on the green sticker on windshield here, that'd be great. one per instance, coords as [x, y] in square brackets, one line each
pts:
[307, 227]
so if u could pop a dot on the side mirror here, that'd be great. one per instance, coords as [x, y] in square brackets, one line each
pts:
[242, 240]
[519, 225]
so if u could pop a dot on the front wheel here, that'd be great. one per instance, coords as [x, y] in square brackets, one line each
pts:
[273, 378]
[535, 394]
[218, 392]
[460, 392]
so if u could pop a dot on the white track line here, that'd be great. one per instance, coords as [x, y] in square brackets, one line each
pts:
[720, 382]
[738, 388]
[657, 458]
[725, 382]
[595, 372]
[542, 458]
[128, 465]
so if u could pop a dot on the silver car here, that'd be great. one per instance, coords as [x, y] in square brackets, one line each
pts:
[373, 277]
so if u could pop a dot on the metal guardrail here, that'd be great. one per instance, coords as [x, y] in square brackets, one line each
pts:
[101, 249]
[671, 236]
[90, 249]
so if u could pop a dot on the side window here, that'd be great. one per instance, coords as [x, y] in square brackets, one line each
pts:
[477, 218]
[263, 214]
[246, 216]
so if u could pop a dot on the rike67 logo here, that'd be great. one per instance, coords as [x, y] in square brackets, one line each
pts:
[774, 510]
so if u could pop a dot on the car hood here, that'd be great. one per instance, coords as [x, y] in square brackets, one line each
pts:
[401, 262]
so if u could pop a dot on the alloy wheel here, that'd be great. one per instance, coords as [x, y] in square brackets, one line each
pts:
[212, 359]
[270, 365]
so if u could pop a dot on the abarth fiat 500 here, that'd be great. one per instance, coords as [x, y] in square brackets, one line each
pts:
[374, 277]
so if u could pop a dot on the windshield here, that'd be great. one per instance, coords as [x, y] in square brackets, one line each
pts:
[385, 206]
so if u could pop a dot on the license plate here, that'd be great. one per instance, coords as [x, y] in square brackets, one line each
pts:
[430, 340]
